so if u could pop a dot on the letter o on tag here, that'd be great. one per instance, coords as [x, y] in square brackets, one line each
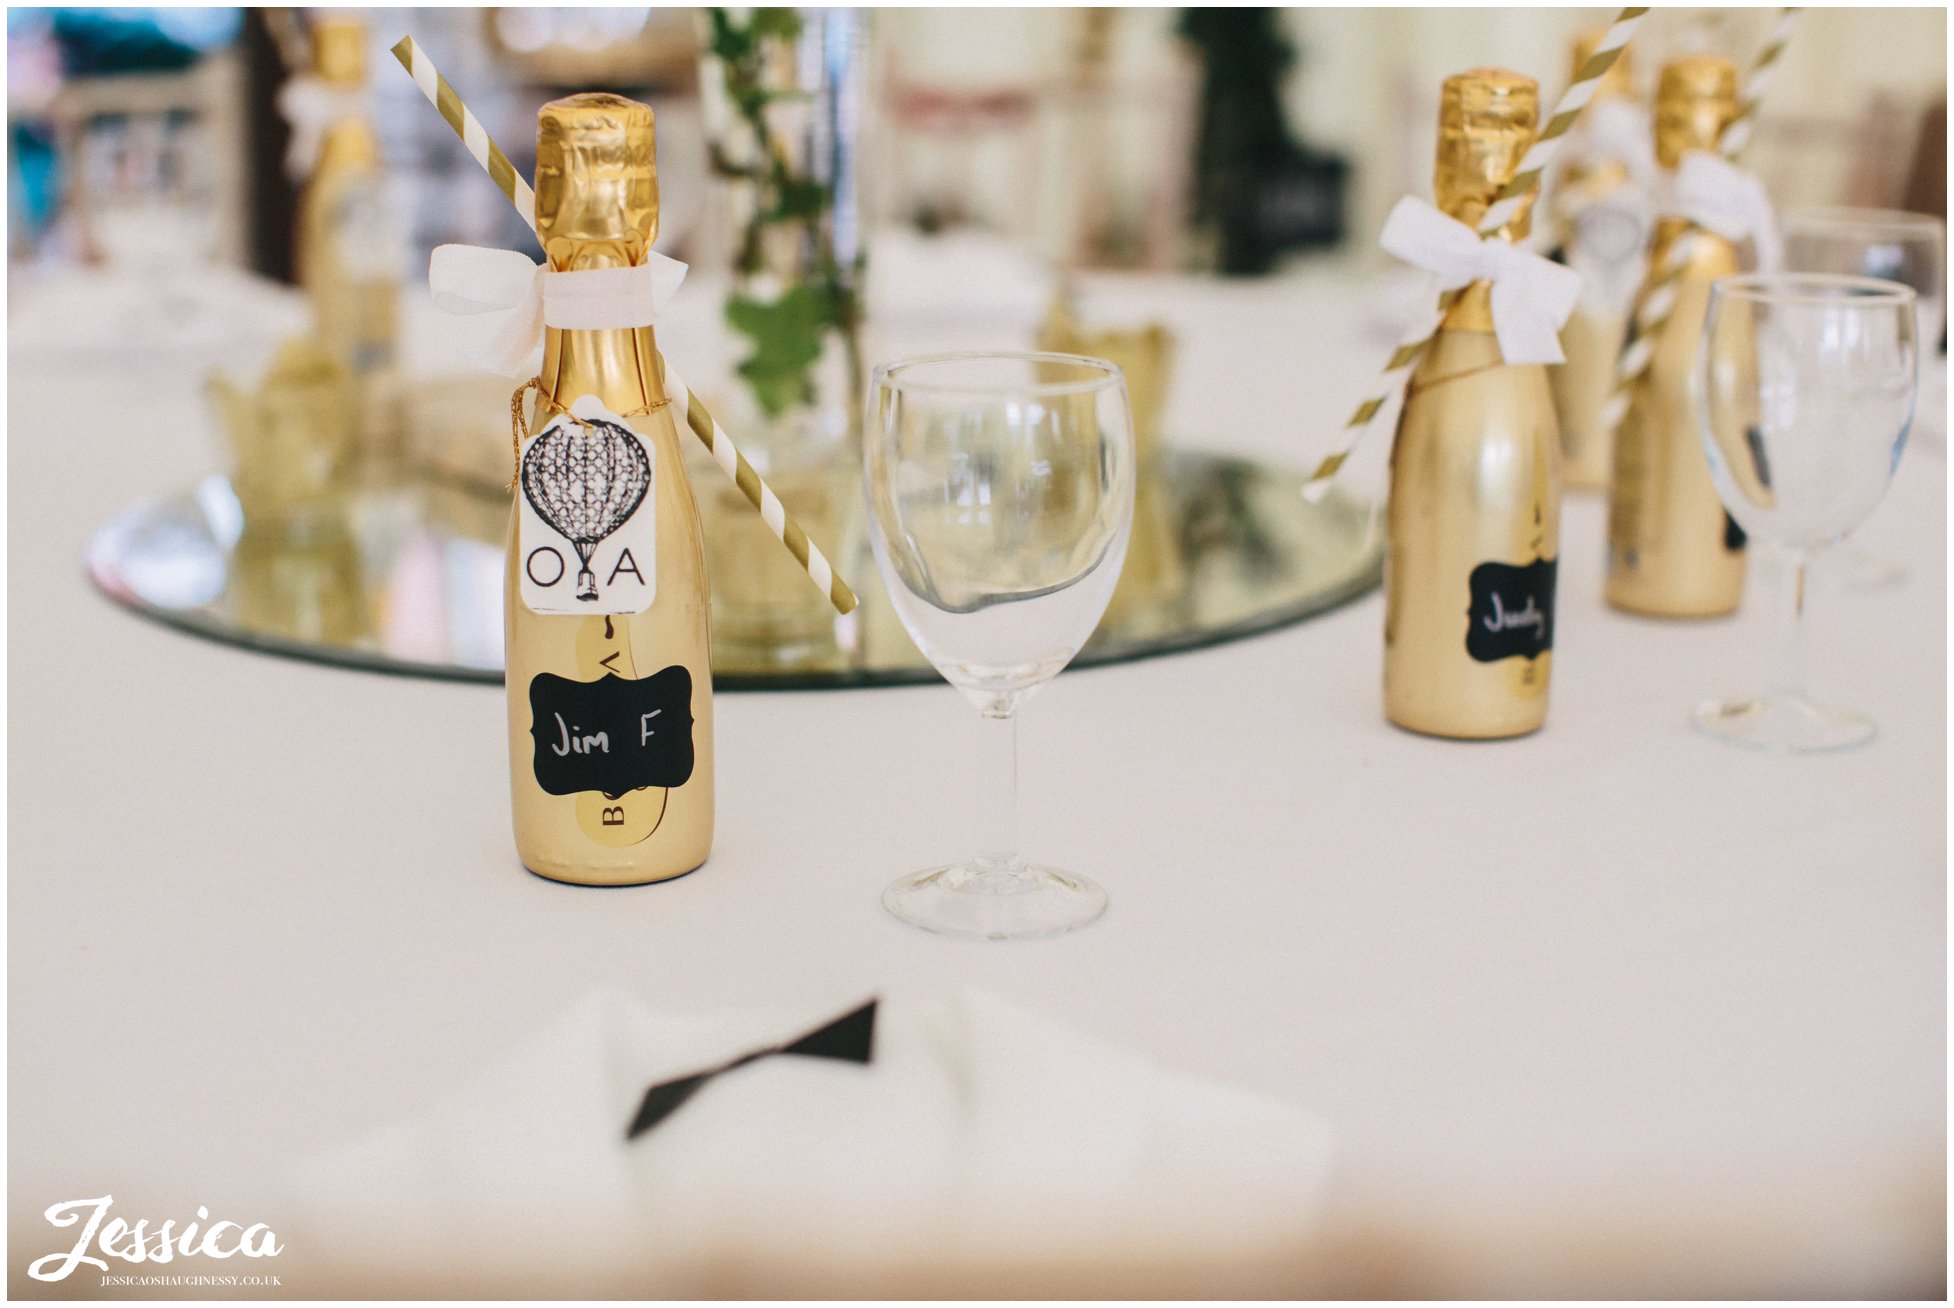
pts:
[529, 565]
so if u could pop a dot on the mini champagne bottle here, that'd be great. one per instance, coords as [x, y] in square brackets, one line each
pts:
[1475, 473]
[1672, 550]
[610, 714]
[348, 250]
[1604, 237]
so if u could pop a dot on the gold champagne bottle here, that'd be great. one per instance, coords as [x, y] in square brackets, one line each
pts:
[1475, 473]
[1605, 241]
[597, 207]
[347, 250]
[1672, 550]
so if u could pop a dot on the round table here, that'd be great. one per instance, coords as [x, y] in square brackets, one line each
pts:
[1613, 1009]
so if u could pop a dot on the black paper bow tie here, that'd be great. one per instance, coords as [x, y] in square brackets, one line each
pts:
[850, 1038]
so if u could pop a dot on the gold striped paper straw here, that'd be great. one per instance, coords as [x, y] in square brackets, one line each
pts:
[1518, 189]
[462, 120]
[691, 412]
[1652, 310]
[1737, 135]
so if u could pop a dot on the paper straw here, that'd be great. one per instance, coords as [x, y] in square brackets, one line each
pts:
[1737, 135]
[1659, 301]
[1540, 155]
[692, 413]
[1519, 189]
[462, 120]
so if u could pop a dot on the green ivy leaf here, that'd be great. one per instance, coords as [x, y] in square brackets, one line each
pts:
[788, 332]
[729, 42]
[786, 335]
[782, 23]
[796, 199]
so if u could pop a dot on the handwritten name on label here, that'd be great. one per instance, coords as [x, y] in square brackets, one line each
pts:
[587, 530]
[614, 734]
[1512, 610]
[137, 1244]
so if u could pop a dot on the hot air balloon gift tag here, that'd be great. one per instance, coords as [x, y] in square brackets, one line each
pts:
[588, 531]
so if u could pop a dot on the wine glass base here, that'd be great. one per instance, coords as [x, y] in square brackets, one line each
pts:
[1784, 724]
[1862, 571]
[994, 903]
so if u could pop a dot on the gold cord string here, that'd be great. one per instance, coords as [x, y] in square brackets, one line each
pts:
[519, 424]
[1415, 387]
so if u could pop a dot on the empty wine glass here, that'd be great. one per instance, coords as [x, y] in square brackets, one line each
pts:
[1000, 496]
[1808, 387]
[1896, 246]
[1890, 244]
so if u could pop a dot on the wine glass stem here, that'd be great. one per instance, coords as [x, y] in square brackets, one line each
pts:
[1788, 676]
[998, 838]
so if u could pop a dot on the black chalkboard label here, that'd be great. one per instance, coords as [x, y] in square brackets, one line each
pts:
[612, 735]
[1734, 538]
[1512, 613]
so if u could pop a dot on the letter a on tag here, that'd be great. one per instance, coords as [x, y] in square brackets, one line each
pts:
[587, 530]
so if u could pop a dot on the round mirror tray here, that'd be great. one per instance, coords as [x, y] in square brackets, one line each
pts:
[407, 577]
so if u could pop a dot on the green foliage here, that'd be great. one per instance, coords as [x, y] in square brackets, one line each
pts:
[736, 44]
[786, 336]
[786, 332]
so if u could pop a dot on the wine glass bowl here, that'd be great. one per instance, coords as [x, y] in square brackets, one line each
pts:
[1890, 244]
[1000, 499]
[1808, 389]
[1897, 246]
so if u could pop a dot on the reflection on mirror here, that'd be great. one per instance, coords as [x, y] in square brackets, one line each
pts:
[407, 578]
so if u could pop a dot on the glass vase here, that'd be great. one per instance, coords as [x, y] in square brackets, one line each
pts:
[782, 91]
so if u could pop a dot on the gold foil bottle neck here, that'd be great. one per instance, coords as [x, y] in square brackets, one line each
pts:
[1486, 120]
[1620, 77]
[596, 181]
[1695, 100]
[339, 51]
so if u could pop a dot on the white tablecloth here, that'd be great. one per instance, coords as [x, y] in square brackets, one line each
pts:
[1612, 1009]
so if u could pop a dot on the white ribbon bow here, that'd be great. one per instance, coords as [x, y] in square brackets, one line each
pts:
[1616, 129]
[1532, 296]
[476, 279]
[312, 106]
[1720, 197]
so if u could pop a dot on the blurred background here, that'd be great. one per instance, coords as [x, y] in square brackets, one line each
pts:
[247, 198]
[219, 223]
[1090, 136]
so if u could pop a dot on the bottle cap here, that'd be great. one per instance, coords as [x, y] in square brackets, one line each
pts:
[1694, 101]
[339, 51]
[1486, 120]
[596, 174]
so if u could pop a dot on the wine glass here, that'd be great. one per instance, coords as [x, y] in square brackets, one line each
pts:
[1000, 497]
[1909, 248]
[1891, 244]
[1808, 383]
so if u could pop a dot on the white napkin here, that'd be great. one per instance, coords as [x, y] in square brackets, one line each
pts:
[979, 1129]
